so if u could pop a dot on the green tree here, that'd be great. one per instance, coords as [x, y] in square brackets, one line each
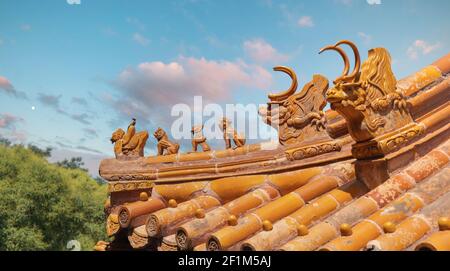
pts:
[5, 141]
[44, 206]
[40, 152]
[73, 163]
[100, 180]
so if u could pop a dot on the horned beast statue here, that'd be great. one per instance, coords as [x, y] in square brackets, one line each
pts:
[129, 143]
[297, 116]
[367, 98]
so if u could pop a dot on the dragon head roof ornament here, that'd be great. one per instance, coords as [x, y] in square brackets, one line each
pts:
[297, 116]
[369, 101]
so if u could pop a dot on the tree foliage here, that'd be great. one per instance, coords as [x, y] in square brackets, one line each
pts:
[43, 206]
[40, 152]
[73, 163]
[5, 141]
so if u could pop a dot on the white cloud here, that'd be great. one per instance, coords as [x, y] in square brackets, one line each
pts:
[215, 42]
[25, 27]
[374, 2]
[412, 52]
[426, 48]
[421, 47]
[140, 39]
[305, 21]
[149, 90]
[108, 31]
[262, 52]
[267, 3]
[344, 2]
[365, 37]
[136, 23]
[91, 160]
[162, 83]
[74, 2]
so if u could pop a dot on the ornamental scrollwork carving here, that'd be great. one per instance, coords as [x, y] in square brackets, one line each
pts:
[312, 150]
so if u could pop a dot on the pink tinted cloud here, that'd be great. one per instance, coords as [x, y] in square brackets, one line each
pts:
[9, 121]
[423, 47]
[151, 88]
[262, 52]
[18, 136]
[191, 76]
[7, 87]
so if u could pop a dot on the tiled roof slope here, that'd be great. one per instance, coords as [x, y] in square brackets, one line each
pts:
[214, 204]
[425, 181]
[325, 206]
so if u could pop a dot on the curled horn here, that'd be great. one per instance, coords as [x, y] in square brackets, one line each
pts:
[344, 57]
[291, 90]
[357, 59]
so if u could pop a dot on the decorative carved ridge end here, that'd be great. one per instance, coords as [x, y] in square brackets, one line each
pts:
[131, 177]
[370, 102]
[387, 143]
[297, 116]
[129, 186]
[112, 225]
[313, 150]
[137, 241]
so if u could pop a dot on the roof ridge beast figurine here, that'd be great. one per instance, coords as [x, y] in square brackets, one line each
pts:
[129, 143]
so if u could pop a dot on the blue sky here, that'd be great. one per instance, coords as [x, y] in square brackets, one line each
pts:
[72, 73]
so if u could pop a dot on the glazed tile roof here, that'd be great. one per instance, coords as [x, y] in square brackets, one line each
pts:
[312, 203]
[368, 215]
[312, 216]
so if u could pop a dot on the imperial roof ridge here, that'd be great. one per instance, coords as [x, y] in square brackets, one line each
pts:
[304, 198]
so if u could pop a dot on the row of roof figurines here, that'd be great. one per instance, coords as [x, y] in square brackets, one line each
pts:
[367, 98]
[131, 143]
